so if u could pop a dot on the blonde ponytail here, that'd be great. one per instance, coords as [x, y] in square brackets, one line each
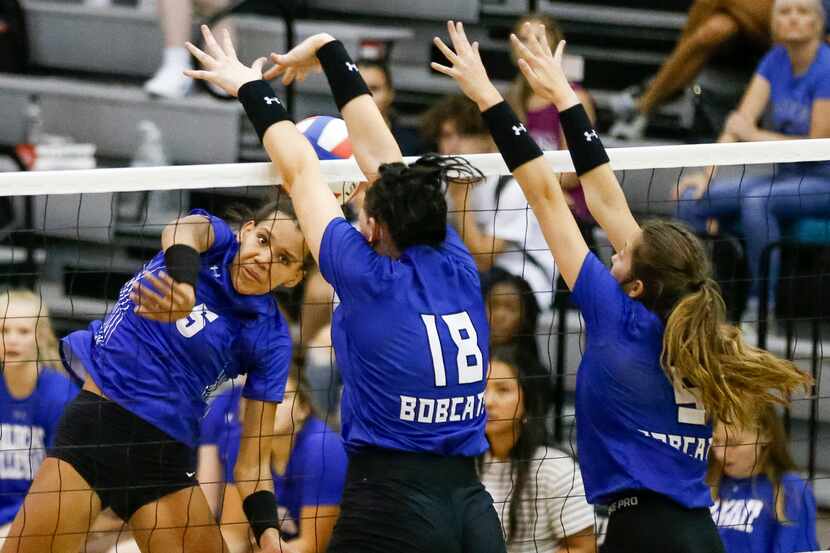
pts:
[710, 357]
[733, 379]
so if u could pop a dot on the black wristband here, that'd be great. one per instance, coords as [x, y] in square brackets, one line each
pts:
[261, 509]
[344, 78]
[262, 105]
[182, 263]
[511, 137]
[587, 151]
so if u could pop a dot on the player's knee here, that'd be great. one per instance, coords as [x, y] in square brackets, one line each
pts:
[203, 539]
[210, 7]
[717, 29]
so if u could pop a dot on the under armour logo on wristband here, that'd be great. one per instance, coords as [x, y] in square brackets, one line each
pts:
[351, 66]
[270, 101]
[519, 129]
[590, 135]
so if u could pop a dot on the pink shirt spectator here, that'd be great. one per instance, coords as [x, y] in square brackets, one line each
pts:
[543, 126]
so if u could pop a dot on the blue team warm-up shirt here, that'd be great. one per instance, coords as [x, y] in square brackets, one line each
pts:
[163, 372]
[27, 428]
[316, 470]
[634, 430]
[745, 516]
[411, 339]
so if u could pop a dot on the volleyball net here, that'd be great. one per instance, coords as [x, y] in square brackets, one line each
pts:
[75, 238]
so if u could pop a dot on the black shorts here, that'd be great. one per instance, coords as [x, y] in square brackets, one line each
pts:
[126, 460]
[646, 522]
[402, 502]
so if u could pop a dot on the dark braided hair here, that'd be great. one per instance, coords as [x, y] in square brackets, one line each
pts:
[410, 200]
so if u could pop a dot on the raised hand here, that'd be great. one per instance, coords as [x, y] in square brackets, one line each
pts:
[167, 301]
[543, 68]
[300, 62]
[222, 67]
[467, 68]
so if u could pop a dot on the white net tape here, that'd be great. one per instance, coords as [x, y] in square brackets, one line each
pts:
[337, 172]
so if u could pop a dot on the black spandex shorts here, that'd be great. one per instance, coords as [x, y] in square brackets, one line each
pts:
[126, 460]
[646, 522]
[415, 502]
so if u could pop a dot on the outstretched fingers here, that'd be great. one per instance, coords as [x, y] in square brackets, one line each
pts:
[458, 37]
[541, 34]
[227, 44]
[529, 74]
[560, 52]
[211, 45]
[446, 50]
[521, 48]
[203, 58]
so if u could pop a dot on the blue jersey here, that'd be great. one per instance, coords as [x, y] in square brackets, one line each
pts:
[316, 469]
[635, 430]
[164, 372]
[745, 515]
[411, 340]
[27, 428]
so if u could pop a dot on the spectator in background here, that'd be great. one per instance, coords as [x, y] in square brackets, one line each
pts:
[492, 216]
[176, 18]
[542, 118]
[793, 80]
[710, 24]
[761, 503]
[308, 464]
[379, 80]
[537, 490]
[513, 313]
[33, 395]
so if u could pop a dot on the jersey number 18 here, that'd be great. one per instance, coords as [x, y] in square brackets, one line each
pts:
[470, 361]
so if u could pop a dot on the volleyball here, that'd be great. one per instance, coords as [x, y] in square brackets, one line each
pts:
[328, 135]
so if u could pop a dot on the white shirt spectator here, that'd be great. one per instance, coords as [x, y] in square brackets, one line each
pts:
[553, 502]
[501, 210]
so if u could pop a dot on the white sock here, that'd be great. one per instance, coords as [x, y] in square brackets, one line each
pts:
[176, 57]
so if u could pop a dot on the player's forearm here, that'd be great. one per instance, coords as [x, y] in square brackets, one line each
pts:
[291, 153]
[547, 200]
[252, 472]
[603, 193]
[372, 142]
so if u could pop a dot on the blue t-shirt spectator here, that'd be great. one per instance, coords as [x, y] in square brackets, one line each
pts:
[27, 428]
[316, 469]
[745, 514]
[792, 96]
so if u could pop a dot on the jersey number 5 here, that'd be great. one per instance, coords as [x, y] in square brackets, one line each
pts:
[470, 361]
[197, 320]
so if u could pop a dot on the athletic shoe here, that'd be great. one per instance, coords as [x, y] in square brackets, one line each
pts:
[169, 82]
[631, 128]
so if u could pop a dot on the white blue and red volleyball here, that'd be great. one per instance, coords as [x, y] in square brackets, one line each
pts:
[328, 135]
